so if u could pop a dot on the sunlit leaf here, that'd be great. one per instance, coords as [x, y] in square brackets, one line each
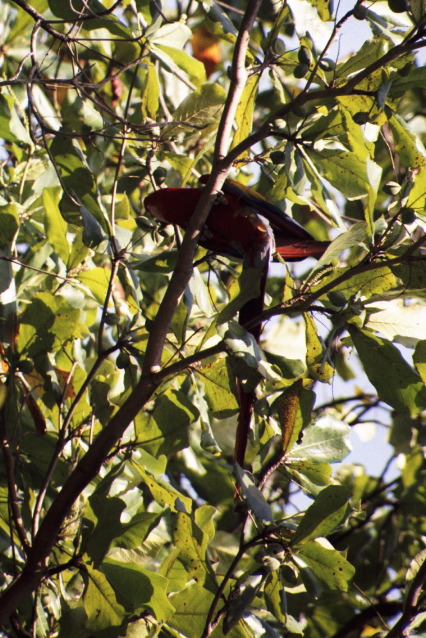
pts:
[192, 542]
[56, 227]
[200, 109]
[11, 127]
[318, 366]
[100, 602]
[395, 381]
[165, 430]
[323, 516]
[140, 588]
[325, 441]
[327, 564]
[397, 321]
[244, 114]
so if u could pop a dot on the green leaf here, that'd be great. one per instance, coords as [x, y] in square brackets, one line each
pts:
[11, 127]
[398, 321]
[92, 231]
[173, 34]
[324, 515]
[165, 430]
[100, 602]
[9, 224]
[368, 53]
[353, 137]
[356, 235]
[323, 8]
[38, 452]
[242, 345]
[150, 93]
[72, 11]
[177, 58]
[402, 84]
[365, 284]
[415, 565]
[96, 281]
[275, 596]
[56, 227]
[352, 176]
[192, 542]
[79, 115]
[419, 359]
[200, 109]
[417, 196]
[104, 512]
[244, 112]
[327, 564]
[133, 533]
[192, 605]
[318, 367]
[78, 180]
[139, 588]
[311, 476]
[395, 381]
[50, 322]
[160, 489]
[325, 441]
[247, 287]
[254, 497]
[162, 263]
[411, 151]
[248, 588]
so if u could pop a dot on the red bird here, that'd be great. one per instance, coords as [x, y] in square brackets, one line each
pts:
[245, 226]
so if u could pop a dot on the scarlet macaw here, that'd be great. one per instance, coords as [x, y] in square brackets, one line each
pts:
[245, 226]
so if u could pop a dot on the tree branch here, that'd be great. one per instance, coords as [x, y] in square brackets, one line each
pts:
[89, 465]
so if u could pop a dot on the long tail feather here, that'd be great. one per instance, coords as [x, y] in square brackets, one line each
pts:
[248, 312]
[298, 250]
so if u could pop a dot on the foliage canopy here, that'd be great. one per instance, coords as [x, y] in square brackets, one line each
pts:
[119, 360]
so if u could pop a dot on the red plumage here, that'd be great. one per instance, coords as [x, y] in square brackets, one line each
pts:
[241, 225]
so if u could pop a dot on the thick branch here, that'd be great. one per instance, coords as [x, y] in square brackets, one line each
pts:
[92, 461]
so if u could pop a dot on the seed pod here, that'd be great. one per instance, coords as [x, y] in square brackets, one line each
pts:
[360, 12]
[123, 360]
[398, 6]
[112, 319]
[361, 117]
[407, 215]
[300, 71]
[405, 70]
[159, 175]
[304, 55]
[337, 298]
[278, 47]
[277, 157]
